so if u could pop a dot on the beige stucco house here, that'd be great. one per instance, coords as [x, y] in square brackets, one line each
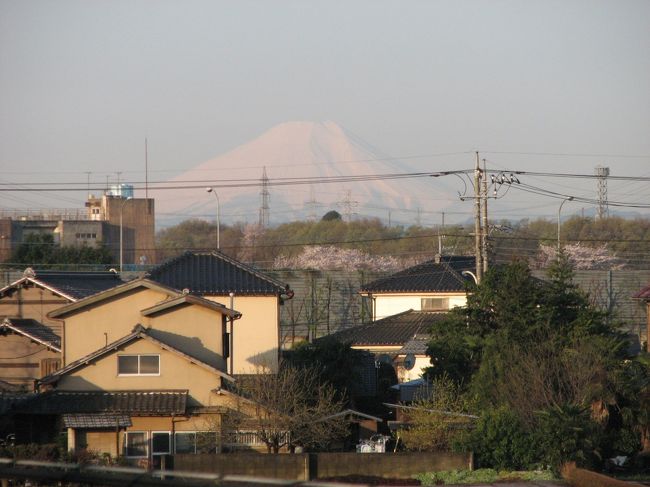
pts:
[146, 364]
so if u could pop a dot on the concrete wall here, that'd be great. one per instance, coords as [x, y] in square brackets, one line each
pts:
[323, 465]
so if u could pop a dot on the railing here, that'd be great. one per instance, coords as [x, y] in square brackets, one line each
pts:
[45, 215]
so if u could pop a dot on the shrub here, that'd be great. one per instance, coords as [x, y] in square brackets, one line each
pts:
[500, 441]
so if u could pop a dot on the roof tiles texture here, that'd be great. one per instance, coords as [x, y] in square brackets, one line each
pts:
[214, 273]
[394, 330]
[78, 285]
[34, 329]
[431, 276]
[129, 402]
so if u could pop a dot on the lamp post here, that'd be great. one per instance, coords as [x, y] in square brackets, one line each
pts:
[122, 233]
[211, 190]
[559, 210]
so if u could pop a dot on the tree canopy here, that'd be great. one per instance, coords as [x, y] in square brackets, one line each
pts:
[537, 351]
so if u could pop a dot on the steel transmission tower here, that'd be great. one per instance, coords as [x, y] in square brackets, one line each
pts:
[266, 196]
[602, 173]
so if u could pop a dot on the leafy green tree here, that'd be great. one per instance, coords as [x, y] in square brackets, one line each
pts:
[539, 351]
[41, 250]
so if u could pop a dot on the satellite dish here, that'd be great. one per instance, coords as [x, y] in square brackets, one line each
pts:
[409, 361]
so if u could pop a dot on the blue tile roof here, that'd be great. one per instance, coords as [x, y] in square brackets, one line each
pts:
[444, 275]
[395, 330]
[77, 285]
[213, 273]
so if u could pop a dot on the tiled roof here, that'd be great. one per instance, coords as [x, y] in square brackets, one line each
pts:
[188, 299]
[214, 273]
[417, 345]
[96, 420]
[139, 332]
[394, 330]
[134, 403]
[644, 293]
[13, 401]
[443, 276]
[34, 330]
[70, 284]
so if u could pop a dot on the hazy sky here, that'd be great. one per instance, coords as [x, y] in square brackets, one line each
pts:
[82, 83]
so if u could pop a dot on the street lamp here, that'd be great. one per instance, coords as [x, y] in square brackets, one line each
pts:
[559, 210]
[211, 190]
[122, 233]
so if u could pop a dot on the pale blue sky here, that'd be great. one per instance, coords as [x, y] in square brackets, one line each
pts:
[83, 82]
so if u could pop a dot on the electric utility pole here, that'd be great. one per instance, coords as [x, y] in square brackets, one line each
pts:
[485, 219]
[477, 220]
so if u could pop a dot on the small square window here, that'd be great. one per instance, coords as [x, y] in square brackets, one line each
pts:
[135, 444]
[149, 364]
[127, 364]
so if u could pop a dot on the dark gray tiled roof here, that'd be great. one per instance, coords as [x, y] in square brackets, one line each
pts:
[34, 330]
[417, 345]
[134, 403]
[214, 273]
[392, 330]
[431, 276]
[78, 285]
[96, 420]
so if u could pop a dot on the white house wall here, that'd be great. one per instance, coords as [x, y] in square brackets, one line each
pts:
[388, 305]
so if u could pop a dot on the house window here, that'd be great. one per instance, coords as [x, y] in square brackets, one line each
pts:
[138, 364]
[135, 444]
[195, 442]
[185, 442]
[161, 442]
[435, 304]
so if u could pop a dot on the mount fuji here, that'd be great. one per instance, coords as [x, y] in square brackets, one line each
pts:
[318, 150]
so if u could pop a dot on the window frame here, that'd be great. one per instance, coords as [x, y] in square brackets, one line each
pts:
[127, 434]
[138, 373]
[432, 299]
[169, 442]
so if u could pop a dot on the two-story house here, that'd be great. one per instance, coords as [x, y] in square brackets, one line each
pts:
[404, 307]
[146, 365]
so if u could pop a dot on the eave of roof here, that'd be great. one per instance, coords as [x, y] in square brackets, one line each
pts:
[56, 346]
[68, 282]
[71, 308]
[190, 299]
[392, 331]
[139, 332]
[133, 403]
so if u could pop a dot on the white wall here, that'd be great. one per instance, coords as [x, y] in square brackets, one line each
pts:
[392, 304]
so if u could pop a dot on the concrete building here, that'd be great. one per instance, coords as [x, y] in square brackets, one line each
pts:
[98, 224]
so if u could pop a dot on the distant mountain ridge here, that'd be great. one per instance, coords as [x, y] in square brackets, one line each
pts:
[300, 150]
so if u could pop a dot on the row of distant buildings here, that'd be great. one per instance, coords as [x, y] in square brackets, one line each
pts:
[99, 224]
